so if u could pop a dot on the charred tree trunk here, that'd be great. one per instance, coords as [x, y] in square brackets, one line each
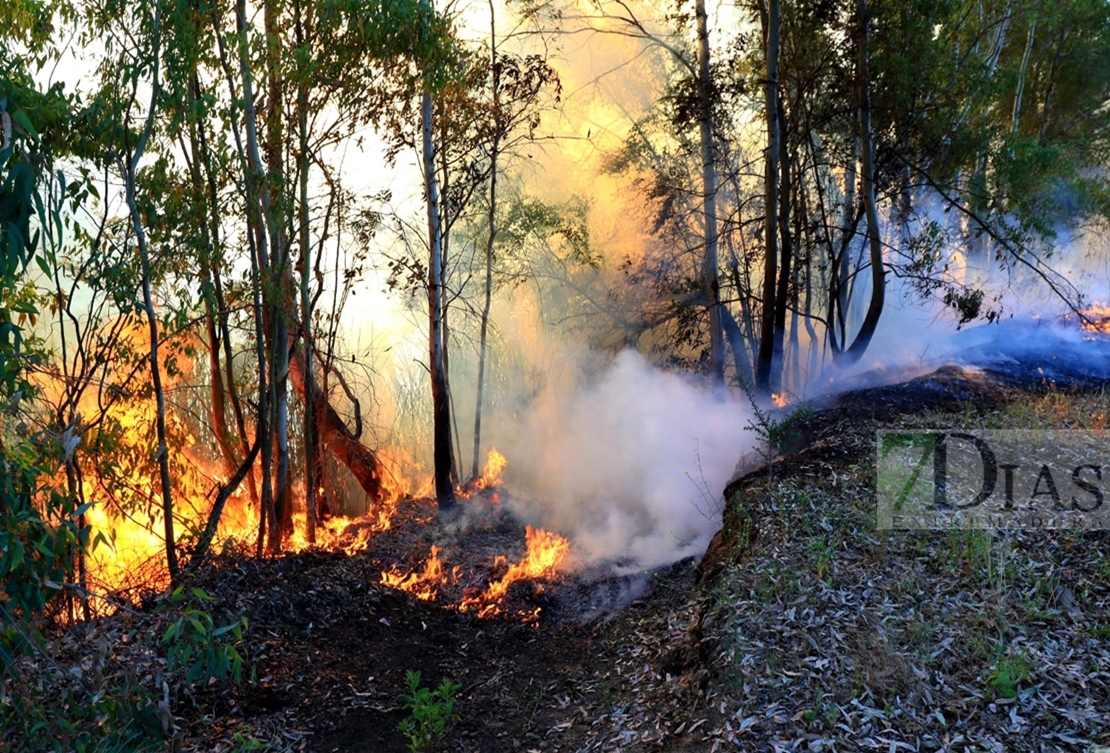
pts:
[770, 18]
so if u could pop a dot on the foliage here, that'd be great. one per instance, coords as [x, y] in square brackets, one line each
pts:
[1008, 674]
[40, 532]
[196, 646]
[776, 433]
[430, 710]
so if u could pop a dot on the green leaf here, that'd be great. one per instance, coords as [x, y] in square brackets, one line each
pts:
[20, 119]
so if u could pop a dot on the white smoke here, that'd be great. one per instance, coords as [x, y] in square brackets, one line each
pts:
[630, 464]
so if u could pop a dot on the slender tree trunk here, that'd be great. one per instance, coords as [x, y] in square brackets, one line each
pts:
[710, 266]
[1015, 117]
[310, 414]
[280, 273]
[222, 312]
[217, 392]
[1051, 83]
[842, 263]
[483, 335]
[257, 218]
[771, 20]
[855, 351]
[333, 433]
[786, 253]
[131, 169]
[441, 408]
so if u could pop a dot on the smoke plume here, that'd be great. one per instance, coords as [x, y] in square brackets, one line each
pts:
[631, 462]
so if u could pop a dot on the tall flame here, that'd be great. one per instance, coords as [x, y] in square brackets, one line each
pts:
[118, 474]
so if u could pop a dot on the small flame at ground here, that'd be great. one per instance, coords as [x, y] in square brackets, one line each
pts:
[779, 399]
[546, 552]
[491, 474]
[422, 584]
[1096, 318]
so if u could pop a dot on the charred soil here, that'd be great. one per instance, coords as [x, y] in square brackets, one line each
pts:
[802, 628]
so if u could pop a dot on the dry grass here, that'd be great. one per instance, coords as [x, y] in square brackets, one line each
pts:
[835, 636]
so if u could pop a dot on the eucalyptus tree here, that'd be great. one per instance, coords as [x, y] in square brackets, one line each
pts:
[512, 106]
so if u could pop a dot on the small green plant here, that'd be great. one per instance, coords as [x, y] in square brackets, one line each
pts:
[822, 554]
[429, 710]
[1009, 672]
[776, 434]
[195, 644]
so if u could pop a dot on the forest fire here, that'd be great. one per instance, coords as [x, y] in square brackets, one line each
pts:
[545, 553]
[779, 399]
[1096, 318]
[424, 584]
[491, 474]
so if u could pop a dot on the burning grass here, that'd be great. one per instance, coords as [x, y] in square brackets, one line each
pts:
[1096, 318]
[545, 553]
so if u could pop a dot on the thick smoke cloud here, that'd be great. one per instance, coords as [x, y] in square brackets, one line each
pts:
[630, 464]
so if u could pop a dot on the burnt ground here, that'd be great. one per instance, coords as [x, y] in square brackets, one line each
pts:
[810, 631]
[332, 645]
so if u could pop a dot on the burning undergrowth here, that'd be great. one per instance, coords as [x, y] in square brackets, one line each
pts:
[485, 562]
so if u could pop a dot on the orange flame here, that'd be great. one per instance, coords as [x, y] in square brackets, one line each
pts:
[491, 474]
[422, 584]
[546, 551]
[126, 519]
[1096, 318]
[779, 399]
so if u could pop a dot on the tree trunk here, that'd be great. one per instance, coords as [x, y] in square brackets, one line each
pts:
[310, 415]
[257, 236]
[855, 351]
[483, 334]
[1015, 117]
[771, 19]
[282, 299]
[333, 432]
[217, 392]
[710, 267]
[131, 169]
[441, 408]
[786, 253]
